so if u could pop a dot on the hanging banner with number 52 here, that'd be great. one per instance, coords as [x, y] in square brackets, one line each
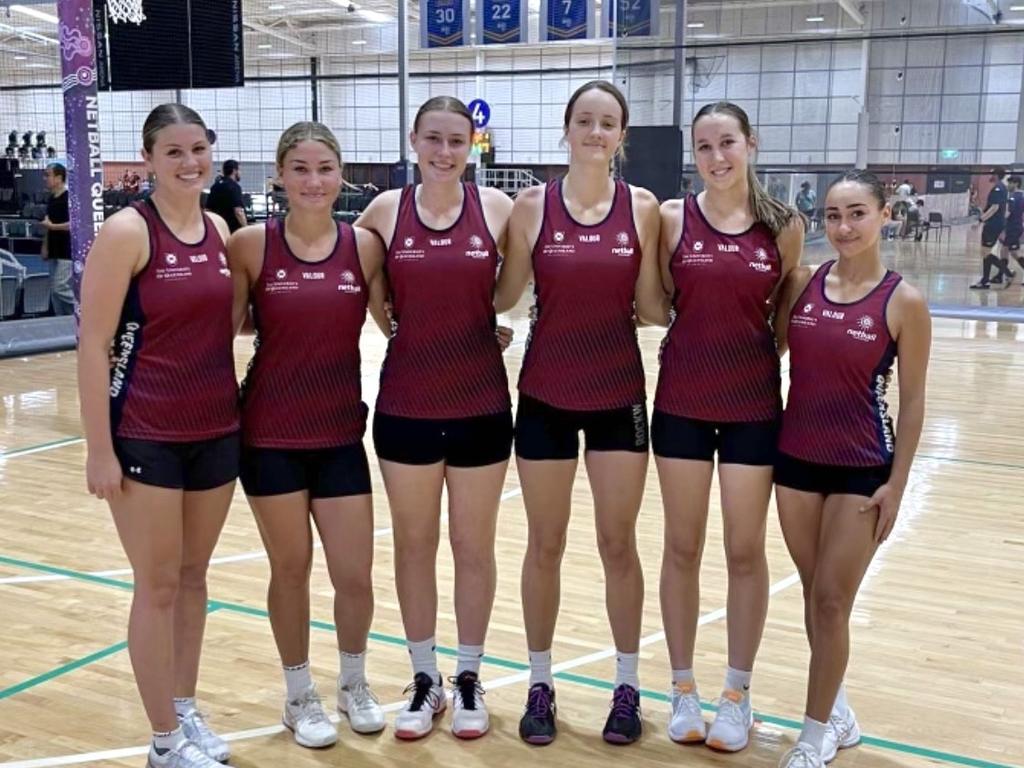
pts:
[443, 23]
[635, 18]
[566, 19]
[501, 21]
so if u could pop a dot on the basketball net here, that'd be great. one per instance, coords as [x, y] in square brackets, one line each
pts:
[125, 10]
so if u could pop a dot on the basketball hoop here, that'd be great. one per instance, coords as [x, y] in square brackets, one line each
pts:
[125, 11]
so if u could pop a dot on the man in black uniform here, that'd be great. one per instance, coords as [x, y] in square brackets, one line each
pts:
[225, 197]
[993, 220]
[57, 243]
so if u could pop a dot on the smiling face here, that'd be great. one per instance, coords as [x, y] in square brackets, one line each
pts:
[442, 141]
[180, 158]
[721, 150]
[854, 218]
[311, 176]
[594, 131]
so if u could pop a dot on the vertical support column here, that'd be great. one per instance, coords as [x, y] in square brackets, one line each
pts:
[81, 131]
[314, 103]
[863, 118]
[403, 88]
[678, 65]
[1018, 155]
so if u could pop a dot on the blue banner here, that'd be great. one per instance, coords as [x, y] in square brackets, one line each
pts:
[501, 21]
[635, 18]
[566, 19]
[443, 23]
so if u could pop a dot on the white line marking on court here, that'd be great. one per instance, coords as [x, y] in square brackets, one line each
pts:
[270, 730]
[41, 448]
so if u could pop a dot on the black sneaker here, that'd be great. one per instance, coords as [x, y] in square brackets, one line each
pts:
[537, 725]
[998, 280]
[981, 285]
[623, 725]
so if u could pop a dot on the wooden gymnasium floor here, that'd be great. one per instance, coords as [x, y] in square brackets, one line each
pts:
[937, 674]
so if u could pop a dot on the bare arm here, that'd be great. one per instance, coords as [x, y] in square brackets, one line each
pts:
[791, 288]
[790, 243]
[371, 257]
[245, 258]
[119, 251]
[912, 328]
[523, 229]
[671, 233]
[65, 227]
[240, 216]
[652, 302]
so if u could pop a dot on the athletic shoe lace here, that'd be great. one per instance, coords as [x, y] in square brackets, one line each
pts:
[423, 690]
[687, 702]
[625, 701]
[802, 756]
[191, 755]
[731, 712]
[363, 698]
[468, 686]
[538, 703]
[196, 720]
[310, 707]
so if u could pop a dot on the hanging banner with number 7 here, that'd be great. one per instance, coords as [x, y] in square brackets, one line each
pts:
[501, 21]
[566, 19]
[635, 18]
[443, 23]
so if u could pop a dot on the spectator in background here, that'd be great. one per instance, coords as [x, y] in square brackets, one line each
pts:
[225, 197]
[993, 221]
[57, 243]
[905, 190]
[806, 200]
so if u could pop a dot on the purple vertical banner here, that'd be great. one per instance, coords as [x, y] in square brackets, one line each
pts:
[81, 130]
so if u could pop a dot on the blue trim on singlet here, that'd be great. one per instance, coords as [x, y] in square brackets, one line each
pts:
[131, 312]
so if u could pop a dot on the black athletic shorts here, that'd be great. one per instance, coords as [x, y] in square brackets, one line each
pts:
[475, 441]
[740, 442]
[828, 479]
[194, 466]
[1012, 239]
[326, 473]
[545, 432]
[990, 234]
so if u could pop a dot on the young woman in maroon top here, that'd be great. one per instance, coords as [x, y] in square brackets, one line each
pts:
[724, 254]
[583, 237]
[307, 279]
[443, 414]
[842, 468]
[161, 424]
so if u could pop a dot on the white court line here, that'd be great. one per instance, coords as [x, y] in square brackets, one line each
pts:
[501, 682]
[41, 448]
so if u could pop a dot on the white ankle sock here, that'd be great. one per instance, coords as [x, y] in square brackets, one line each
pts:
[353, 668]
[841, 705]
[163, 742]
[424, 657]
[469, 659]
[540, 668]
[738, 680]
[813, 733]
[184, 705]
[626, 669]
[298, 680]
[684, 676]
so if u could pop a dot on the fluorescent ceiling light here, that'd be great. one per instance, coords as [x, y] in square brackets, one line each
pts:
[358, 42]
[35, 13]
[264, 45]
[1012, 7]
[695, 24]
[20, 58]
[38, 66]
[24, 33]
[275, 7]
[815, 18]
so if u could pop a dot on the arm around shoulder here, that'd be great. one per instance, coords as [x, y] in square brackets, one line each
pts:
[790, 289]
[652, 300]
[524, 225]
[245, 259]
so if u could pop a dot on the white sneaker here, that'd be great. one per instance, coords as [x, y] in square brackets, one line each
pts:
[193, 724]
[469, 713]
[305, 717]
[360, 705]
[426, 701]
[843, 733]
[185, 755]
[730, 731]
[801, 756]
[687, 725]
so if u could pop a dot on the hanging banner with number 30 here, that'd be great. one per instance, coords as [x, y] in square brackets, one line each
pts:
[501, 21]
[443, 23]
[566, 19]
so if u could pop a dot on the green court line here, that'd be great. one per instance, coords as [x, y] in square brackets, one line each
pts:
[592, 682]
[977, 462]
[42, 446]
[71, 666]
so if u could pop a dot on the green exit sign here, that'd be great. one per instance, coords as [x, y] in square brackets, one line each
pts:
[950, 154]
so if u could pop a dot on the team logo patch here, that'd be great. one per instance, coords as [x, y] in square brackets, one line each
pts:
[808, 308]
[409, 242]
[761, 254]
[348, 277]
[865, 323]
[622, 238]
[698, 246]
[171, 259]
[281, 274]
[559, 236]
[475, 241]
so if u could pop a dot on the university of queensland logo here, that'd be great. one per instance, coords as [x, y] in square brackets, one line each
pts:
[409, 242]
[281, 274]
[559, 236]
[698, 246]
[171, 259]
